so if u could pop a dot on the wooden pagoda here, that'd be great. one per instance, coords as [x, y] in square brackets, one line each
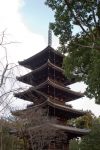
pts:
[49, 91]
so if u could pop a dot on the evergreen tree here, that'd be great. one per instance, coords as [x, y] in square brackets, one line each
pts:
[89, 142]
[92, 141]
[74, 144]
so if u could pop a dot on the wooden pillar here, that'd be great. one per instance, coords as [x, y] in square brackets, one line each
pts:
[56, 145]
[65, 146]
[51, 146]
[61, 146]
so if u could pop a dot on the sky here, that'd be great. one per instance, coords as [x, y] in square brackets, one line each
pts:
[25, 23]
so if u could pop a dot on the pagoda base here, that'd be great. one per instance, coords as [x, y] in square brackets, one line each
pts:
[59, 143]
[58, 146]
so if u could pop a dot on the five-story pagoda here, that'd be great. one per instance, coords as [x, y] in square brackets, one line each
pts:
[49, 91]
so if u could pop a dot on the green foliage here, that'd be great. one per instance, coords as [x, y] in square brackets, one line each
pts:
[85, 121]
[74, 144]
[8, 139]
[77, 23]
[71, 13]
[89, 142]
[84, 62]
[92, 141]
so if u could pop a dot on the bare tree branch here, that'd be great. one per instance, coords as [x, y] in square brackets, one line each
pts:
[3, 74]
[94, 17]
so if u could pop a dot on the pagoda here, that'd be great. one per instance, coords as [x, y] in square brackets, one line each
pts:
[49, 90]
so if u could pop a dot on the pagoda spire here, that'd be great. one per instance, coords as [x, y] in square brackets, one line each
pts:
[49, 36]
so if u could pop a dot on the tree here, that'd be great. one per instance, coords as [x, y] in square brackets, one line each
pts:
[92, 141]
[89, 142]
[33, 128]
[8, 141]
[77, 23]
[74, 144]
[7, 75]
[85, 121]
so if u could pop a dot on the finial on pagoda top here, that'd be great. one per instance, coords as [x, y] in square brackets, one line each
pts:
[49, 36]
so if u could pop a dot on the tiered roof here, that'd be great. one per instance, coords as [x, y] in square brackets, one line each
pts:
[62, 92]
[42, 57]
[49, 89]
[65, 111]
[37, 74]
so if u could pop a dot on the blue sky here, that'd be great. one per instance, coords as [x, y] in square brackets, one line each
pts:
[37, 16]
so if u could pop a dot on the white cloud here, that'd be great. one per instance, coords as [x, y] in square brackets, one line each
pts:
[28, 43]
[11, 19]
[84, 103]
